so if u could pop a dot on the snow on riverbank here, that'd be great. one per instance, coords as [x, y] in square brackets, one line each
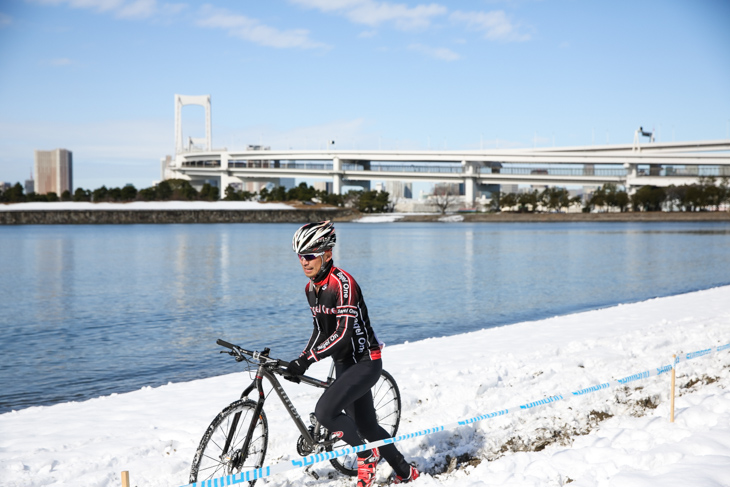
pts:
[615, 437]
[146, 205]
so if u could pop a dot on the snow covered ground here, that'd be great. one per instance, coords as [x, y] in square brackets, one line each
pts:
[614, 437]
[387, 217]
[147, 205]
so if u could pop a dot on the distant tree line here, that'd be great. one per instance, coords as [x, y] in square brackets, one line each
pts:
[364, 201]
[180, 189]
[706, 195]
[170, 189]
[551, 199]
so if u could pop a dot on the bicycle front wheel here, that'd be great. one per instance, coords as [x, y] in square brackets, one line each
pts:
[227, 447]
[386, 399]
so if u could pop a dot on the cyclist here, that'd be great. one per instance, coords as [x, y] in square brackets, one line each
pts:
[342, 331]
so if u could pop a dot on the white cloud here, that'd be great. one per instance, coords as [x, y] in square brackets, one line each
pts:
[373, 13]
[495, 25]
[5, 20]
[330, 5]
[98, 139]
[102, 144]
[126, 9]
[347, 134]
[98, 5]
[440, 53]
[403, 17]
[253, 30]
[140, 9]
[59, 62]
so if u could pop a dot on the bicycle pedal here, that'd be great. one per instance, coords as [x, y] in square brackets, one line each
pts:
[311, 472]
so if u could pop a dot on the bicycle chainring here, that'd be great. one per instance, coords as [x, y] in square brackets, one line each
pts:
[303, 447]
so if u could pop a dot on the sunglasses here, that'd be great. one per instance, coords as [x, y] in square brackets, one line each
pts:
[309, 257]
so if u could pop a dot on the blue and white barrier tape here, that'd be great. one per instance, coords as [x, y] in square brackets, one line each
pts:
[281, 467]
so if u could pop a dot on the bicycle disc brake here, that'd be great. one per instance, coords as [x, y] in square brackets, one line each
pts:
[233, 461]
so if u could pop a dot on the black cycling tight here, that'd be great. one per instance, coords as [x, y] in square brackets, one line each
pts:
[350, 392]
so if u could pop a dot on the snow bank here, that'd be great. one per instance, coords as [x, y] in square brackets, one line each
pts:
[380, 218]
[618, 437]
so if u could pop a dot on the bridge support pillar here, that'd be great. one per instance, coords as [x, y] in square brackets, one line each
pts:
[631, 178]
[337, 176]
[470, 183]
[227, 180]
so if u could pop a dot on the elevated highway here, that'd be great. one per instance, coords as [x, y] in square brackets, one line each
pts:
[629, 165]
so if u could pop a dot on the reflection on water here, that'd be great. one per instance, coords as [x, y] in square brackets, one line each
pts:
[90, 310]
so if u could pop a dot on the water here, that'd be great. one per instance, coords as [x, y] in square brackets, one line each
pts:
[93, 309]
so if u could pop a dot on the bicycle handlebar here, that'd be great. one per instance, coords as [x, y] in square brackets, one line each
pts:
[277, 366]
[224, 343]
[260, 356]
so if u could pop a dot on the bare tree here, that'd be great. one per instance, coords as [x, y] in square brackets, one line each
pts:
[392, 203]
[443, 198]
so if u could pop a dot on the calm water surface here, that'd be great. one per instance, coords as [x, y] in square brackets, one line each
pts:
[93, 309]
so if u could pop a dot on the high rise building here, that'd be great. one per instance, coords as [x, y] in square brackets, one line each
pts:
[325, 186]
[399, 190]
[53, 171]
[164, 166]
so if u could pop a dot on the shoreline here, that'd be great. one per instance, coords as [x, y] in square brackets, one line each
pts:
[119, 214]
[509, 217]
[83, 443]
[172, 216]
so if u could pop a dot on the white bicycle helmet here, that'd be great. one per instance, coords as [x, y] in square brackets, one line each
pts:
[314, 237]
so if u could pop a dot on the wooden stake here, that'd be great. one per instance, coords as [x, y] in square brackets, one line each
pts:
[125, 479]
[671, 401]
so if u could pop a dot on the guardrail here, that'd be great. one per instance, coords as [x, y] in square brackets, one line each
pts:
[552, 171]
[269, 470]
[641, 171]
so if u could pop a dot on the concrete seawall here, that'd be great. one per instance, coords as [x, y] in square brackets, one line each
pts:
[303, 215]
[83, 217]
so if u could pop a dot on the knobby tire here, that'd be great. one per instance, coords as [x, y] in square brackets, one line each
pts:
[231, 427]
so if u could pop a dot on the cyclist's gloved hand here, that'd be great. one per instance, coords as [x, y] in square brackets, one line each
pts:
[296, 368]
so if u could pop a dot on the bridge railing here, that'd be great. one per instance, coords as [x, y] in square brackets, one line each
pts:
[685, 171]
[642, 170]
[210, 163]
[431, 168]
[553, 171]
[261, 164]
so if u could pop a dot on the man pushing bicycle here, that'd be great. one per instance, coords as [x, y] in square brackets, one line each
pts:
[342, 331]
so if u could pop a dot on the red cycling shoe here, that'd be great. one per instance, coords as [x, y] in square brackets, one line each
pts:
[412, 475]
[366, 469]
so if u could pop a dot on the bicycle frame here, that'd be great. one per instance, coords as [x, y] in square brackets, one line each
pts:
[264, 372]
[223, 447]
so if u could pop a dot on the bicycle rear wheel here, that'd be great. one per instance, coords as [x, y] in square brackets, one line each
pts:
[221, 450]
[386, 399]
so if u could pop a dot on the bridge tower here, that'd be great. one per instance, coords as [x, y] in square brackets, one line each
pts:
[181, 101]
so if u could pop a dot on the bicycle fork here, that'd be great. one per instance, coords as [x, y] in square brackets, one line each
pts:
[236, 463]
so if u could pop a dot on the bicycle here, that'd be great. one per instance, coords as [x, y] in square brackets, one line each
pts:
[237, 438]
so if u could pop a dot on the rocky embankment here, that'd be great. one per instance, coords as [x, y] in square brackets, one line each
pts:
[81, 217]
[305, 214]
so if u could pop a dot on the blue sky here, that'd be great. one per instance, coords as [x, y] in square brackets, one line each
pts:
[98, 77]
